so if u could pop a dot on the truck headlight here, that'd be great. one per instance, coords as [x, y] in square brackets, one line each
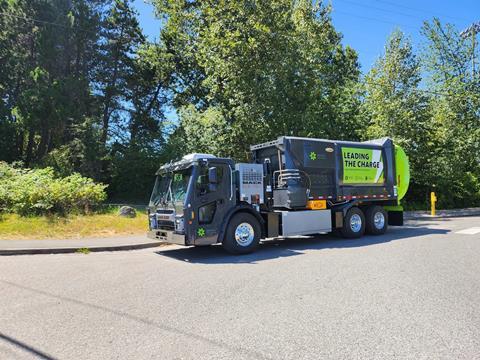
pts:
[153, 222]
[179, 224]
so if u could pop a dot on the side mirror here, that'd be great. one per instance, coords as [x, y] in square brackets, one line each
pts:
[212, 175]
[202, 184]
[212, 187]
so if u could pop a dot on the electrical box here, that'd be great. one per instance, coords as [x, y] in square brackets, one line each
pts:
[251, 182]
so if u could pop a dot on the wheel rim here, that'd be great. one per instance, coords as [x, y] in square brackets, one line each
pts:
[355, 223]
[244, 234]
[379, 220]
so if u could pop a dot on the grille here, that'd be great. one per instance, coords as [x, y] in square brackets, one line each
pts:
[164, 211]
[165, 225]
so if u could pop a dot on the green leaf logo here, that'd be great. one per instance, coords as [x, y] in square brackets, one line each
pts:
[201, 232]
[312, 156]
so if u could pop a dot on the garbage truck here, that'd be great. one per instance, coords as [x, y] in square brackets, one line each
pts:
[292, 186]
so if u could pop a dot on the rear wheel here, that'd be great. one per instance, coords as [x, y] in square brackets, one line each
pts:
[353, 224]
[376, 219]
[242, 235]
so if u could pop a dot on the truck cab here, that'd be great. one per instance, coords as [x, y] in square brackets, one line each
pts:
[190, 199]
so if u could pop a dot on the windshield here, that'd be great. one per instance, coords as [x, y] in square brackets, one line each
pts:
[170, 188]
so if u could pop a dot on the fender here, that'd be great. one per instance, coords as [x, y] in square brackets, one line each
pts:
[344, 207]
[243, 207]
[339, 211]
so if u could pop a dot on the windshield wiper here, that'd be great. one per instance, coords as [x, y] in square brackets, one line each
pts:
[163, 199]
[169, 191]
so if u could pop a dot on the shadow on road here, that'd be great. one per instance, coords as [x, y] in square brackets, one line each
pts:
[272, 249]
[38, 354]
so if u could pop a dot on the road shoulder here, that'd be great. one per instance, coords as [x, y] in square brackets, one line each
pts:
[118, 243]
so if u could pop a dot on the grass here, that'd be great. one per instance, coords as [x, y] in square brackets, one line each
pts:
[84, 251]
[14, 227]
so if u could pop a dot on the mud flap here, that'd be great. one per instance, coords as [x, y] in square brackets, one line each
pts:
[395, 218]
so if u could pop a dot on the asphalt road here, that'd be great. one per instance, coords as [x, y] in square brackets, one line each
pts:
[411, 294]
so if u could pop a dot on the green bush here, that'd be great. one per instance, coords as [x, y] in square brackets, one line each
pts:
[40, 191]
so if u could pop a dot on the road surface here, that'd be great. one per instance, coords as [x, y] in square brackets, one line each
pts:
[413, 293]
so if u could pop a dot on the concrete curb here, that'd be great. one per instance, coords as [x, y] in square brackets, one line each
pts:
[416, 215]
[67, 250]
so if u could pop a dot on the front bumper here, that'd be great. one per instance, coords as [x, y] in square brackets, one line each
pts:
[167, 236]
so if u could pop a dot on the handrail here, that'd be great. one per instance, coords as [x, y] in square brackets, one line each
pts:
[280, 177]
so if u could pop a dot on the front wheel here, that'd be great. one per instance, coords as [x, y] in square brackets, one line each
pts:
[242, 235]
[353, 224]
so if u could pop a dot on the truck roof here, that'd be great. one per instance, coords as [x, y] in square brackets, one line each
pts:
[281, 139]
[184, 162]
[188, 160]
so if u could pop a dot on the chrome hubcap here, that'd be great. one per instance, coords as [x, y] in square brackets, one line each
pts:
[355, 223]
[379, 220]
[244, 234]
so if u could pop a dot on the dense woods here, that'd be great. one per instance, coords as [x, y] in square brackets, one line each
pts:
[83, 91]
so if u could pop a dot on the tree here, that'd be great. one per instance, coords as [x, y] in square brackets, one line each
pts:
[71, 72]
[121, 37]
[396, 107]
[136, 155]
[207, 131]
[455, 114]
[49, 49]
[269, 68]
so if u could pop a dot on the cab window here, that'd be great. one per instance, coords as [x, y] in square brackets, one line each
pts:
[202, 179]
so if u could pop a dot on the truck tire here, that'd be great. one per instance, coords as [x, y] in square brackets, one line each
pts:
[376, 219]
[353, 224]
[243, 234]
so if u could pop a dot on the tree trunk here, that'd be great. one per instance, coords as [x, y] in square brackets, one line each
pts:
[109, 94]
[29, 152]
[19, 144]
[105, 120]
[44, 142]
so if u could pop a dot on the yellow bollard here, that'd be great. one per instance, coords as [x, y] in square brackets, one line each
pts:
[433, 200]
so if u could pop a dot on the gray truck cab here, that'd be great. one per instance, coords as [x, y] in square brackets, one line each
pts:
[190, 200]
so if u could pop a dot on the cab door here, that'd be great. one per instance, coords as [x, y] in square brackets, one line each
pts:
[213, 200]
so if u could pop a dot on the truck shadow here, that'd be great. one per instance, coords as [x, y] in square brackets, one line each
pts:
[272, 249]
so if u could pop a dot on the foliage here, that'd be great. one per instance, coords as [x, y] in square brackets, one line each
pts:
[394, 106]
[261, 69]
[455, 103]
[207, 131]
[133, 171]
[83, 91]
[84, 251]
[438, 126]
[39, 191]
[75, 85]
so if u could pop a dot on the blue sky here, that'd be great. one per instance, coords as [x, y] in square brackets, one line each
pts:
[366, 24]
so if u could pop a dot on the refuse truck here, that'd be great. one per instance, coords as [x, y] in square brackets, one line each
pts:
[292, 186]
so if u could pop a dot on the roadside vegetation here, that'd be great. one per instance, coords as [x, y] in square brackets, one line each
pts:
[41, 192]
[39, 204]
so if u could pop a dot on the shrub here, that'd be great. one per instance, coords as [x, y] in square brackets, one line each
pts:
[40, 191]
